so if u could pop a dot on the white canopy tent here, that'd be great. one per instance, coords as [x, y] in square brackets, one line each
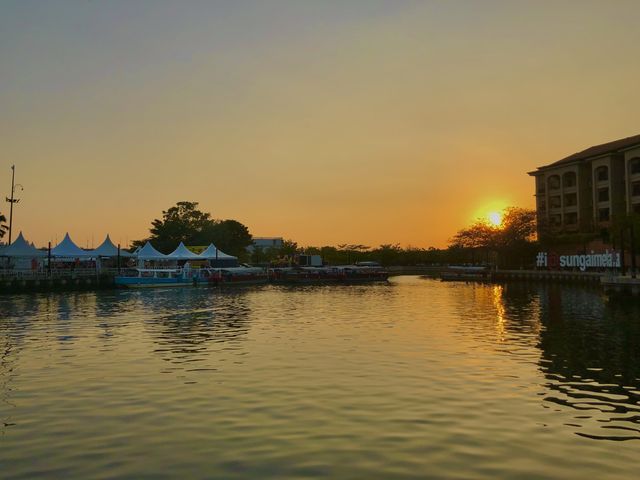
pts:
[108, 249]
[212, 253]
[183, 253]
[67, 249]
[149, 253]
[21, 248]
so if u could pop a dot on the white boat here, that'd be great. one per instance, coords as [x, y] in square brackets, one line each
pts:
[157, 277]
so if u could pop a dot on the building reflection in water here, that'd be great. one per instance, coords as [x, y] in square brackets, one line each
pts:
[591, 359]
[587, 349]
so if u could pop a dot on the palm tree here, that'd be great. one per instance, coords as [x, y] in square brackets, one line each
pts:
[3, 225]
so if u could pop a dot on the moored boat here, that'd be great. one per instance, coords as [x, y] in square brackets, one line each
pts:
[362, 273]
[156, 277]
[304, 275]
[235, 276]
[327, 274]
[180, 277]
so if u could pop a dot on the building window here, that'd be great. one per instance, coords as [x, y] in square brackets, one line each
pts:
[602, 173]
[603, 194]
[555, 202]
[540, 185]
[570, 200]
[555, 220]
[569, 180]
[635, 189]
[603, 215]
[635, 166]
[636, 208]
[571, 218]
[554, 182]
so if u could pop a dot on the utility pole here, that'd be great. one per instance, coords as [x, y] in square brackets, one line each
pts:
[12, 200]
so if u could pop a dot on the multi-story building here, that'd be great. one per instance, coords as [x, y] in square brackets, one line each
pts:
[583, 192]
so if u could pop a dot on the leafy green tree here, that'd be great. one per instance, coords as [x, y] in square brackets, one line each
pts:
[184, 222]
[388, 254]
[230, 236]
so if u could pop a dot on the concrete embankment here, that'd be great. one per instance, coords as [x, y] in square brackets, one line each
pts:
[62, 283]
[546, 276]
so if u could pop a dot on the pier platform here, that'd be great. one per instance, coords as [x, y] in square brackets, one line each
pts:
[619, 284]
[18, 282]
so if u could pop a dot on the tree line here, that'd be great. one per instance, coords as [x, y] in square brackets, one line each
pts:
[512, 244]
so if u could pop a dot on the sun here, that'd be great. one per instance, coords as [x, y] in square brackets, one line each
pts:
[495, 219]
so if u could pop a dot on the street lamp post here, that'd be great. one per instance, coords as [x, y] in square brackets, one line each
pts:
[12, 200]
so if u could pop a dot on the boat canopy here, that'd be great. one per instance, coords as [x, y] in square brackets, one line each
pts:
[67, 249]
[21, 248]
[212, 253]
[183, 253]
[108, 249]
[149, 253]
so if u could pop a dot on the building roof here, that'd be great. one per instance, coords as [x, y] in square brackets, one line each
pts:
[597, 150]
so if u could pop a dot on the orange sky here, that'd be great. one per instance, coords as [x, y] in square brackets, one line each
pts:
[325, 122]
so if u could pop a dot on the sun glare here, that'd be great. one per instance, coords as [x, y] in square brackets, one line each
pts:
[495, 219]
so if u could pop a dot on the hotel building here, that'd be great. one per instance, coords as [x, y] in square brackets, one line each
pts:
[583, 192]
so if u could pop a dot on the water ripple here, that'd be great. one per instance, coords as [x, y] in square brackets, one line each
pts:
[412, 379]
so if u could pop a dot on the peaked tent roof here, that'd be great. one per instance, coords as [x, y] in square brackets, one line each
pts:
[183, 253]
[66, 248]
[149, 253]
[21, 248]
[210, 253]
[108, 249]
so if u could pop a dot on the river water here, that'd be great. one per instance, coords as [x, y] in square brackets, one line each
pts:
[411, 379]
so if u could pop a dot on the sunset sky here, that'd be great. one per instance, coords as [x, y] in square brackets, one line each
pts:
[325, 122]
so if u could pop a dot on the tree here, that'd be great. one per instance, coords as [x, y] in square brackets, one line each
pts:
[478, 235]
[3, 225]
[289, 248]
[230, 236]
[185, 223]
[621, 229]
[354, 251]
[513, 241]
[388, 254]
[518, 226]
